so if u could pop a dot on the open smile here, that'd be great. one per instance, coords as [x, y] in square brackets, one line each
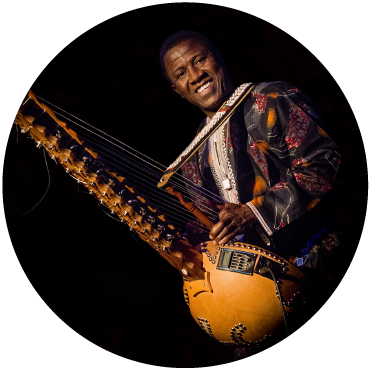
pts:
[203, 89]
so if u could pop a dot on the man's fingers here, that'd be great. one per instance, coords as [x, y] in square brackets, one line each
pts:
[234, 219]
[216, 229]
[227, 234]
[222, 235]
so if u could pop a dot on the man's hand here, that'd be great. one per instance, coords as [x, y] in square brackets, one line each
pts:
[235, 219]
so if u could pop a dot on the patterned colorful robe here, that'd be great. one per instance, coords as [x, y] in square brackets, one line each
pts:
[276, 153]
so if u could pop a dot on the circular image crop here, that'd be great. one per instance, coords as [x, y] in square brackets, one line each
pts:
[176, 185]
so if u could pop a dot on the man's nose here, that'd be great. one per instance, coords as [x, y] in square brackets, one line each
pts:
[195, 75]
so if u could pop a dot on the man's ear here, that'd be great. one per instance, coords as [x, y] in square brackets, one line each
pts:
[174, 89]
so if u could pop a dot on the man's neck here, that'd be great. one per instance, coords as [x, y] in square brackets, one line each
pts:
[211, 113]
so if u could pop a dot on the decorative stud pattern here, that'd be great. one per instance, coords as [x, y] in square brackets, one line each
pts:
[236, 334]
[296, 296]
[204, 324]
[186, 297]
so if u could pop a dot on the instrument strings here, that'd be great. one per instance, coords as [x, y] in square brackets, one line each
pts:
[144, 172]
[145, 180]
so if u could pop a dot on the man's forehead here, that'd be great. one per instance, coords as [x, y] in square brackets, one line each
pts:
[187, 48]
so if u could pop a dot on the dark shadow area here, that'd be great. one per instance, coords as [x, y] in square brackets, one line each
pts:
[115, 291]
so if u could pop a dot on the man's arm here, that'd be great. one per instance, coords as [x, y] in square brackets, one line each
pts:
[286, 132]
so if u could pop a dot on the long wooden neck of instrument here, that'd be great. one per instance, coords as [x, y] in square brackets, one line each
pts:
[191, 208]
[110, 189]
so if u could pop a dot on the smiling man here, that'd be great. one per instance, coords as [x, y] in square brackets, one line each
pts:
[198, 74]
[279, 161]
[270, 165]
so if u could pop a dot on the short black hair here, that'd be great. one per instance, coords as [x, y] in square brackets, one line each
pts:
[180, 36]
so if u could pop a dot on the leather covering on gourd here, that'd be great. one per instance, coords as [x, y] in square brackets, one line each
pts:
[236, 303]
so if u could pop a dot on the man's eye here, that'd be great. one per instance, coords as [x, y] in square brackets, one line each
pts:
[201, 60]
[180, 74]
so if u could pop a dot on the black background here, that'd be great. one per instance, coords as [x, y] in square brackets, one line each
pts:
[88, 268]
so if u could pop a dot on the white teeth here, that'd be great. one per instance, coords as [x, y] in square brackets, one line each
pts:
[202, 88]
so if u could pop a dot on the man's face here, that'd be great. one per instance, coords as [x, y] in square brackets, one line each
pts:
[197, 76]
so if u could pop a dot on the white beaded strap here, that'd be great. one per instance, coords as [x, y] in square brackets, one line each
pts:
[206, 131]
